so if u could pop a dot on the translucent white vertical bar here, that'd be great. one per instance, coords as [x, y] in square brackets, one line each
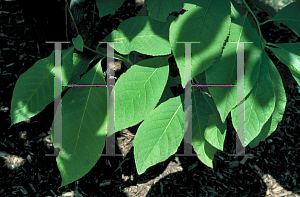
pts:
[188, 99]
[57, 102]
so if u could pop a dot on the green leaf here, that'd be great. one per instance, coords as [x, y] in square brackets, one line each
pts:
[224, 70]
[78, 43]
[84, 114]
[212, 20]
[160, 10]
[289, 54]
[215, 131]
[280, 97]
[201, 114]
[34, 89]
[138, 91]
[259, 106]
[280, 104]
[290, 16]
[106, 7]
[141, 34]
[154, 143]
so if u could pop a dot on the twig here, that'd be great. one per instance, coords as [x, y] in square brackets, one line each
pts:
[66, 17]
[72, 17]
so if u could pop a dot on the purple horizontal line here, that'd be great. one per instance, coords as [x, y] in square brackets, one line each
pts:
[84, 85]
[213, 85]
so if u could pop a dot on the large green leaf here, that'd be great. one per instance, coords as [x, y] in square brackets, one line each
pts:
[280, 104]
[224, 70]
[160, 135]
[208, 22]
[290, 16]
[84, 111]
[139, 90]
[259, 105]
[34, 89]
[280, 97]
[142, 34]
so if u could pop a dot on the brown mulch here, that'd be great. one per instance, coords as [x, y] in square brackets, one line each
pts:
[26, 171]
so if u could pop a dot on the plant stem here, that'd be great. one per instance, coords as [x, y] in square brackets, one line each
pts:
[265, 22]
[257, 23]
